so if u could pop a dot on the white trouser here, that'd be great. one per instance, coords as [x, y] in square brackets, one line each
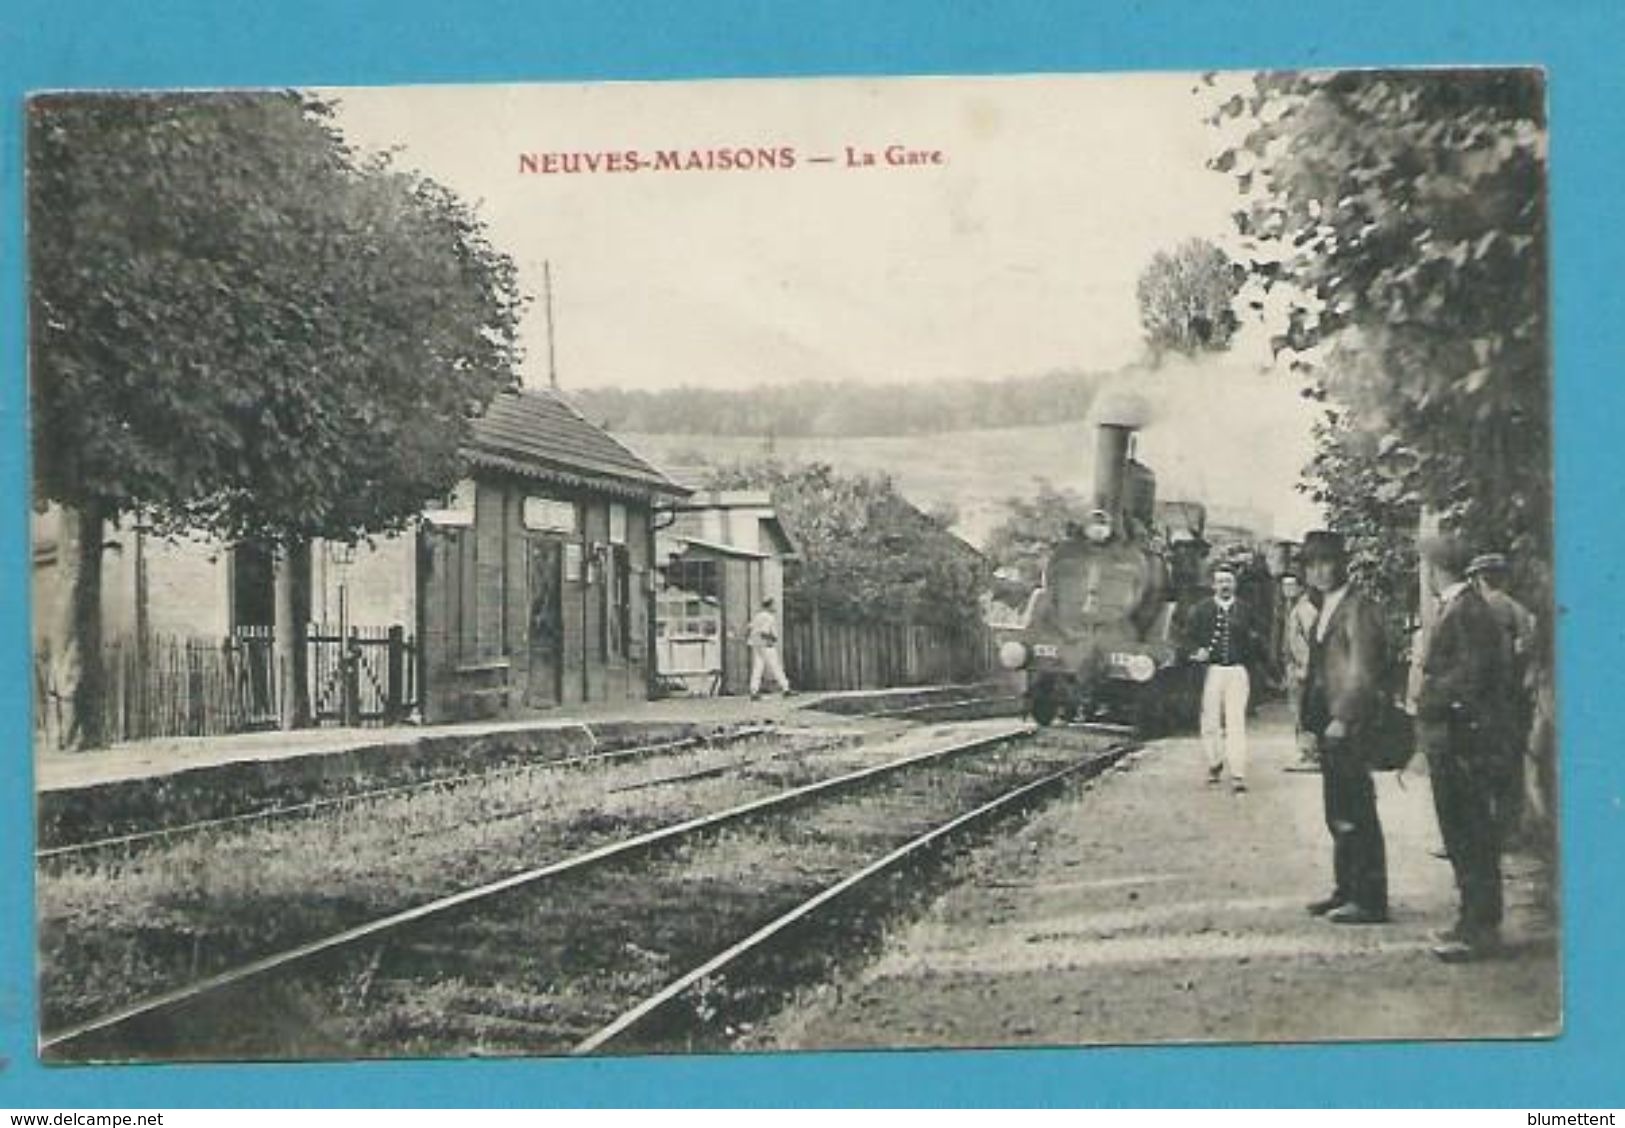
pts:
[766, 658]
[1224, 706]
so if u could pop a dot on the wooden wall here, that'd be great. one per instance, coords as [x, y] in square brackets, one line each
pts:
[476, 602]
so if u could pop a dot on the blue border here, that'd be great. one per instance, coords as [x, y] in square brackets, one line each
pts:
[85, 43]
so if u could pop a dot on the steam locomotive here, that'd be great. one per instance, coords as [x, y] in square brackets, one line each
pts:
[1099, 639]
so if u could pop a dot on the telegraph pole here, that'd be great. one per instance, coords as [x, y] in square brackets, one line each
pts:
[547, 291]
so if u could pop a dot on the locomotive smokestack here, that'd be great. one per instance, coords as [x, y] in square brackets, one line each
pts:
[1111, 466]
[1117, 417]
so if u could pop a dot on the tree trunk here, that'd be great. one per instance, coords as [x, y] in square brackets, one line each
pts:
[1427, 527]
[77, 665]
[292, 582]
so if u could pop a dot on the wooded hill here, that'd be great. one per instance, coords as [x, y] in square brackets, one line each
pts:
[836, 409]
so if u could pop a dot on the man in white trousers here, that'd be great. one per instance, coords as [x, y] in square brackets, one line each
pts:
[1225, 634]
[762, 636]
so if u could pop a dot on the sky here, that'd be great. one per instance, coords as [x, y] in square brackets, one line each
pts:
[1018, 254]
[1014, 253]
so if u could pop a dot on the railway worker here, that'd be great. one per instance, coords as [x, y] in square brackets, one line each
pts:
[762, 636]
[1488, 574]
[1224, 633]
[1342, 699]
[1298, 615]
[1461, 726]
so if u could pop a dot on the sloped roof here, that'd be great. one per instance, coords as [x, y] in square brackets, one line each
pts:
[539, 434]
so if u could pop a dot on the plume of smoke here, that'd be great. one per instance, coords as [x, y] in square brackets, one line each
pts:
[1120, 407]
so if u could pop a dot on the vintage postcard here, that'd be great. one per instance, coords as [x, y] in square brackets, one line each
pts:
[781, 565]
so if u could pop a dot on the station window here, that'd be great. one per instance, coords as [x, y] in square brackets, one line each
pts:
[690, 603]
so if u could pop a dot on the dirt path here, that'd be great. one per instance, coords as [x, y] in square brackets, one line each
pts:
[1153, 908]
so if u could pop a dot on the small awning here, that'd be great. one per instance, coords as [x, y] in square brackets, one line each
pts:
[721, 549]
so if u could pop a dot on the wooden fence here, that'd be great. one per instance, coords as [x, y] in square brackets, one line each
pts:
[171, 687]
[824, 654]
[175, 686]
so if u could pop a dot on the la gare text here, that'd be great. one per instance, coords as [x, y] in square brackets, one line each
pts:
[727, 159]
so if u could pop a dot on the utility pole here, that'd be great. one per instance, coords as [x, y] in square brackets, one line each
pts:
[547, 290]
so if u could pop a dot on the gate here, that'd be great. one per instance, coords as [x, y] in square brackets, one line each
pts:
[254, 677]
[369, 677]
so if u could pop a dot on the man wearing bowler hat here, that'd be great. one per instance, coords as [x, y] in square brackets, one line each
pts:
[1341, 702]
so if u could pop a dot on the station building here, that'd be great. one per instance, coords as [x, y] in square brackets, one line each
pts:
[531, 587]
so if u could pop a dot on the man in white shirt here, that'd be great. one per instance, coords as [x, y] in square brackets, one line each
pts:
[1224, 634]
[762, 636]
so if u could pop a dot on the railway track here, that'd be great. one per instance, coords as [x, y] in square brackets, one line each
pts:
[935, 711]
[164, 834]
[611, 942]
[692, 1023]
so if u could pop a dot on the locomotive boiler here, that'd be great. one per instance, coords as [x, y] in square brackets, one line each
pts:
[1098, 641]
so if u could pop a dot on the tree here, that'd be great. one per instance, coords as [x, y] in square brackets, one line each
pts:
[1023, 541]
[866, 553]
[1361, 480]
[1408, 212]
[242, 327]
[1186, 299]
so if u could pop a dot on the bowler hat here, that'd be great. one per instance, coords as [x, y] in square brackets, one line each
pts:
[1487, 562]
[1323, 544]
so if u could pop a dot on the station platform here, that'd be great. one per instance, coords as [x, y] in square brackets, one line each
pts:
[1150, 907]
[56, 770]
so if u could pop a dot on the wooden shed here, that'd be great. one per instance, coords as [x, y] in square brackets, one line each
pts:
[723, 553]
[536, 580]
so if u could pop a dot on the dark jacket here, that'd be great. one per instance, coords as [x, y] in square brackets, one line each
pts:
[1347, 669]
[1247, 631]
[1467, 678]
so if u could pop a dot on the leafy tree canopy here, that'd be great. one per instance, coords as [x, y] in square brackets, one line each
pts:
[1406, 212]
[866, 553]
[241, 326]
[1186, 298]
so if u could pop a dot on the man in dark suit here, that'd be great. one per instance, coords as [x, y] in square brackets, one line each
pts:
[1488, 576]
[1463, 720]
[1342, 698]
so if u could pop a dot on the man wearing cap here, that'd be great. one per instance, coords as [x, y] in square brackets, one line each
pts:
[1342, 697]
[1488, 574]
[762, 636]
[1461, 724]
[1224, 633]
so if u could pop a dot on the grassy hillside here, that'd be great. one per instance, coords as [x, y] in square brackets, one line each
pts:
[975, 471]
[1233, 438]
